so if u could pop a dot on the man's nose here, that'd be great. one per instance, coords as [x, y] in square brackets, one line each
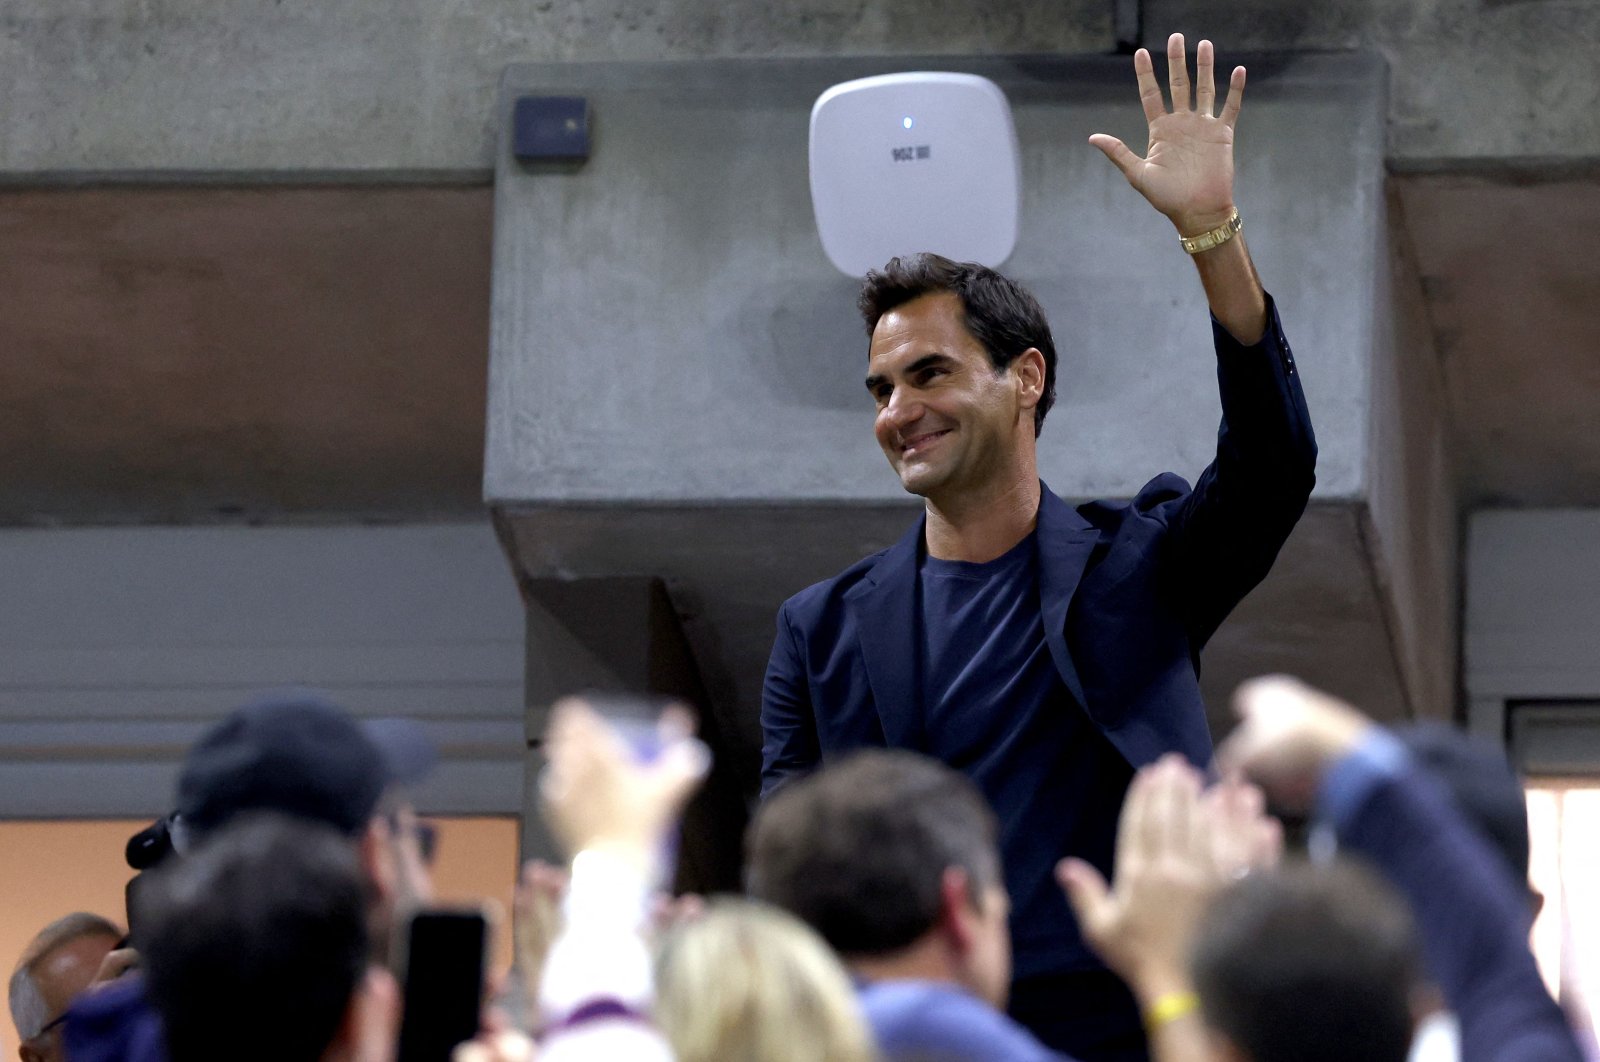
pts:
[901, 409]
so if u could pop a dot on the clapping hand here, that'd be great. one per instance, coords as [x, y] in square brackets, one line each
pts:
[1176, 846]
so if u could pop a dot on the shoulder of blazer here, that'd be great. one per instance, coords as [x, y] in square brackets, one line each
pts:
[817, 599]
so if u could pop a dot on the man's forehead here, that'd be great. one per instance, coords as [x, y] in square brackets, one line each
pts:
[928, 324]
[67, 968]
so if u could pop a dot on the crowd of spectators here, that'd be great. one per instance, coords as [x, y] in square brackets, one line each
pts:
[875, 921]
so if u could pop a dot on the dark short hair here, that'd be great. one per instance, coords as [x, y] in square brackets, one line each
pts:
[1001, 314]
[1309, 964]
[254, 944]
[858, 850]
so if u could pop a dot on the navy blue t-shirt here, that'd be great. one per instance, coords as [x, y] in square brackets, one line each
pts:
[995, 708]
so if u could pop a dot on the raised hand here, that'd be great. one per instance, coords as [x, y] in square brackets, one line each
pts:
[1187, 170]
[595, 793]
[1288, 734]
[1142, 927]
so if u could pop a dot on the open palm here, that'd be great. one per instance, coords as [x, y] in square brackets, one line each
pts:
[1187, 171]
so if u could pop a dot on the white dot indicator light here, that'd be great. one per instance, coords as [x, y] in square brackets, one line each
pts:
[907, 122]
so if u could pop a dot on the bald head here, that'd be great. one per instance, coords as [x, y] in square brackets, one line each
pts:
[57, 965]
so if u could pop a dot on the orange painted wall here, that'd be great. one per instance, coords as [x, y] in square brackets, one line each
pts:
[48, 869]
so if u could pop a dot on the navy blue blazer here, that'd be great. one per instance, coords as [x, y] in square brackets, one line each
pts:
[1130, 592]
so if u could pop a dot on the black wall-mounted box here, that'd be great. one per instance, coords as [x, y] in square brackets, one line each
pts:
[550, 128]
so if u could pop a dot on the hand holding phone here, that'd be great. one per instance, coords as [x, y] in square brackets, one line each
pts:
[600, 792]
[442, 970]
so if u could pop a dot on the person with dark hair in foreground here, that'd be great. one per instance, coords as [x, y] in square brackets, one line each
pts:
[893, 859]
[1314, 963]
[294, 752]
[1044, 649]
[255, 949]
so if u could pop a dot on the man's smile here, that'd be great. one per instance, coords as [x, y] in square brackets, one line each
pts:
[917, 443]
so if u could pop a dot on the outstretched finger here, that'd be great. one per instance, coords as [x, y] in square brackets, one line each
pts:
[1087, 893]
[1119, 153]
[1230, 106]
[1178, 73]
[1205, 80]
[1149, 91]
[1133, 824]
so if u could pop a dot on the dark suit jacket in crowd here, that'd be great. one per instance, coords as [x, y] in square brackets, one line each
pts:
[1472, 917]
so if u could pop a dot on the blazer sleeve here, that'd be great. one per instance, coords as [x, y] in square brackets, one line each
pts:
[1473, 920]
[1225, 534]
[789, 745]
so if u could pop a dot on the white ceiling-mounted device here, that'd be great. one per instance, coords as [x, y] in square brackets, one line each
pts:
[925, 161]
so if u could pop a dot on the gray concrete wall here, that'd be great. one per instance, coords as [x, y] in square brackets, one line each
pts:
[666, 329]
[675, 377]
[214, 87]
[1411, 517]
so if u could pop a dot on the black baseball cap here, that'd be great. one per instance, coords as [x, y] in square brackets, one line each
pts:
[295, 751]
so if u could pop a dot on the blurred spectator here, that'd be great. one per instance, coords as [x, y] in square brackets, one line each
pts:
[296, 753]
[1314, 963]
[1311, 963]
[1176, 849]
[59, 963]
[893, 859]
[255, 948]
[748, 981]
[1487, 792]
[612, 809]
[1473, 914]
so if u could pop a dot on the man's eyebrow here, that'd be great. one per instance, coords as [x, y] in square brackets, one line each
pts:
[924, 362]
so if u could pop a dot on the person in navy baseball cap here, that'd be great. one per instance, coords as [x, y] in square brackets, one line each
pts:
[296, 752]
[290, 752]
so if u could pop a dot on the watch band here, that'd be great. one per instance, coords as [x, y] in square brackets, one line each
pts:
[1215, 238]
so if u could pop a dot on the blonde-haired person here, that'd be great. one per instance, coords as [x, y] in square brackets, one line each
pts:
[747, 982]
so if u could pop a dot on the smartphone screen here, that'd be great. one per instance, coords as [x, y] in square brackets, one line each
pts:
[444, 956]
[634, 717]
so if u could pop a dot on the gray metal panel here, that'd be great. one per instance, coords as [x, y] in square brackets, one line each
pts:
[118, 647]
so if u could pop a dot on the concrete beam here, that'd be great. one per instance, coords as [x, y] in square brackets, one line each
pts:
[231, 88]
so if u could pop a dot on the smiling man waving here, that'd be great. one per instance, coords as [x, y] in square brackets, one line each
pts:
[1048, 651]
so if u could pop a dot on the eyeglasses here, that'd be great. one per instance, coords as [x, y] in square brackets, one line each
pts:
[50, 1026]
[426, 833]
[427, 841]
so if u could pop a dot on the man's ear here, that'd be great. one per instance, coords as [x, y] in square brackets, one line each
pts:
[1030, 370]
[958, 909]
[374, 852]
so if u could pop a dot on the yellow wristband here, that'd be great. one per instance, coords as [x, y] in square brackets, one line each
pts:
[1169, 1008]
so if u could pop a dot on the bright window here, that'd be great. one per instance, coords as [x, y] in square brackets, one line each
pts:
[1564, 827]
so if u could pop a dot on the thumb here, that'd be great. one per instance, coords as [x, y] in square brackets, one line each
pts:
[1086, 890]
[1119, 153]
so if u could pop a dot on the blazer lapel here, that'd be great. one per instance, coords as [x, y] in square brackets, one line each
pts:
[1065, 542]
[885, 606]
